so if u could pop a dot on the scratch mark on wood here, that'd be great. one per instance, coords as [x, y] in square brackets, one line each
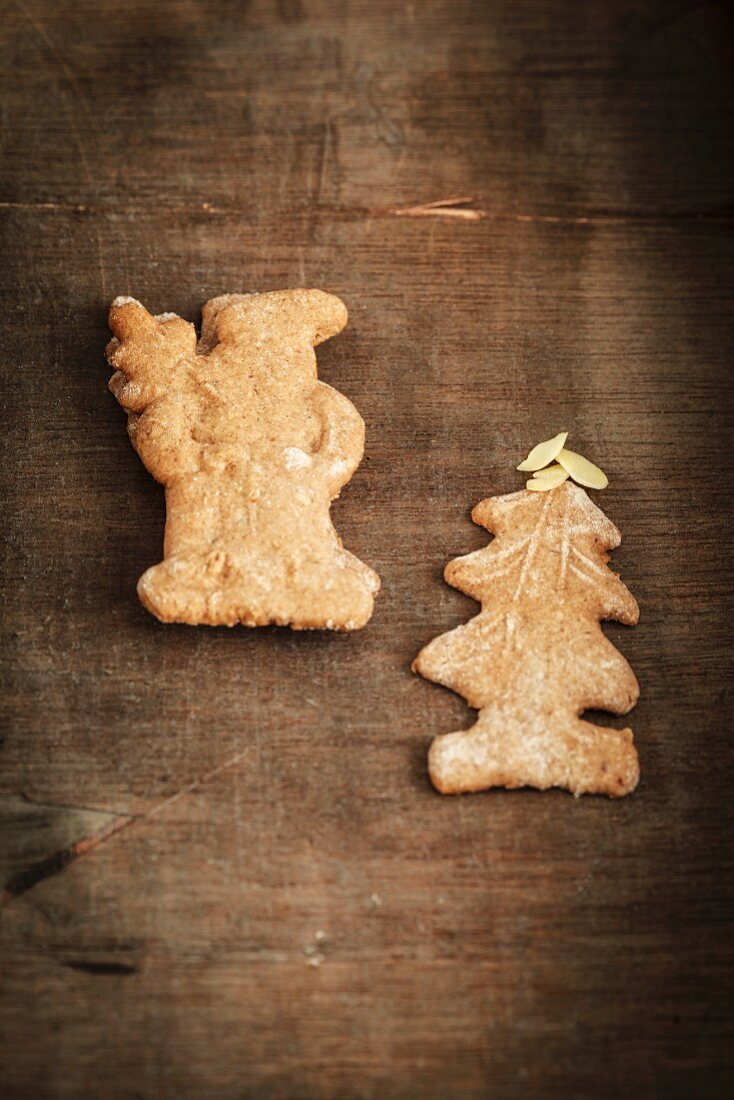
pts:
[27, 860]
[74, 207]
[40, 840]
[69, 78]
[458, 207]
[78, 104]
[195, 783]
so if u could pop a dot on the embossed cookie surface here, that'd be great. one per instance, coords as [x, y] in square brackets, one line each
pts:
[251, 449]
[535, 658]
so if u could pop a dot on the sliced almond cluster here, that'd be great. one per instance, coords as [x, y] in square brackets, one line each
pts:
[564, 464]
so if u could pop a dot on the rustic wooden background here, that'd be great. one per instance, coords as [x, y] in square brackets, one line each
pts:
[271, 901]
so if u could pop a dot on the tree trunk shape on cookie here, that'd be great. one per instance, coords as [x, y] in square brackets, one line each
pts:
[535, 657]
[251, 449]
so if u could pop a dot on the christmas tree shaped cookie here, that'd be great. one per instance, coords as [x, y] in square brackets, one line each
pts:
[535, 658]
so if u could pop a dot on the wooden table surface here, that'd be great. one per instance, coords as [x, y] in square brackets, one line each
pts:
[271, 900]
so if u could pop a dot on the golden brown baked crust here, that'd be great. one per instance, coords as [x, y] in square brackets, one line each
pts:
[535, 658]
[251, 449]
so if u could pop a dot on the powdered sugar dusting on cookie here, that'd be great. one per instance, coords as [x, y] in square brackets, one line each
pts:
[296, 459]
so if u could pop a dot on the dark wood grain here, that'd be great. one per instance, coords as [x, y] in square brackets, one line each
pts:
[292, 912]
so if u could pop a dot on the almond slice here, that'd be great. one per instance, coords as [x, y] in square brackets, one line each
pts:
[583, 471]
[549, 471]
[547, 479]
[544, 453]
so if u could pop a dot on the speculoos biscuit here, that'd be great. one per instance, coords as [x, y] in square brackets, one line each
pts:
[251, 448]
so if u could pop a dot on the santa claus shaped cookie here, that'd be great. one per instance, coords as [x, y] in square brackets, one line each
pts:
[251, 449]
